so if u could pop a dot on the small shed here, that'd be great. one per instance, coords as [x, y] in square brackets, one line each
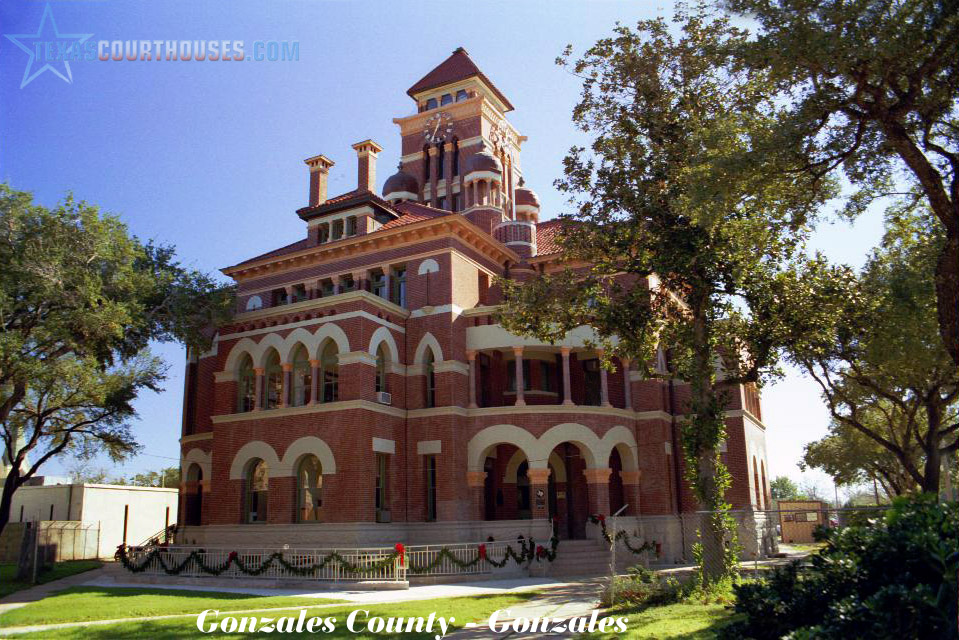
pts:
[799, 518]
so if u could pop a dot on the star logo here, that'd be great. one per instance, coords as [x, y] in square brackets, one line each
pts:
[43, 43]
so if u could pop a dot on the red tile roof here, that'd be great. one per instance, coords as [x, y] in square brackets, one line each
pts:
[290, 248]
[459, 66]
[412, 212]
[546, 237]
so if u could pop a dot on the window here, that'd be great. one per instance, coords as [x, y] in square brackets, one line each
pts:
[326, 287]
[431, 104]
[426, 165]
[194, 495]
[278, 297]
[430, 488]
[274, 381]
[302, 377]
[461, 95]
[399, 286]
[347, 283]
[246, 387]
[381, 360]
[591, 382]
[382, 498]
[378, 284]
[329, 373]
[299, 293]
[511, 376]
[351, 225]
[324, 235]
[440, 162]
[257, 491]
[430, 387]
[545, 376]
[522, 491]
[446, 99]
[309, 499]
[456, 157]
[337, 229]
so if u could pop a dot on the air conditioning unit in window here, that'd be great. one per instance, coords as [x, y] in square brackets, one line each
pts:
[384, 397]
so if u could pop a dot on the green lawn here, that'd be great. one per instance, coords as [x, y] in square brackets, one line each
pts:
[8, 572]
[691, 621]
[470, 609]
[103, 603]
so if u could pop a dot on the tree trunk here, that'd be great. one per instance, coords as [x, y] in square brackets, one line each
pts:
[10, 485]
[933, 466]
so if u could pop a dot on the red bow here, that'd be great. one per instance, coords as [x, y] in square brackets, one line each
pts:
[482, 552]
[601, 518]
[232, 556]
[540, 551]
[400, 549]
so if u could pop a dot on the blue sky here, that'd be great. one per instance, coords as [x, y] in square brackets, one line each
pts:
[208, 155]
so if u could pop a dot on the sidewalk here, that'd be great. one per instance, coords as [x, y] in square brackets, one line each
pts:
[560, 599]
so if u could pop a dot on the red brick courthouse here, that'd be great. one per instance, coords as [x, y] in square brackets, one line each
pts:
[365, 394]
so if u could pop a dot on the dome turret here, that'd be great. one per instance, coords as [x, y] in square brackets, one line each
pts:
[401, 186]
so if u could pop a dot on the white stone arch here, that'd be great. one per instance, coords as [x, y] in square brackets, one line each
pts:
[271, 340]
[383, 335]
[501, 434]
[304, 446]
[298, 336]
[558, 467]
[621, 439]
[255, 449]
[428, 340]
[334, 333]
[243, 347]
[512, 467]
[580, 435]
[428, 266]
[198, 457]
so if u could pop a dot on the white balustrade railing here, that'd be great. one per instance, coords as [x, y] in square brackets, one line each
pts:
[366, 563]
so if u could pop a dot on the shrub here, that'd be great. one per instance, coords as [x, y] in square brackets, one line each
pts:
[894, 577]
[644, 587]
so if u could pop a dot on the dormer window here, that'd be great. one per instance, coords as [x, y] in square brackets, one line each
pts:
[324, 235]
[337, 229]
[326, 287]
[299, 293]
[446, 99]
[347, 283]
[431, 104]
[461, 95]
[351, 226]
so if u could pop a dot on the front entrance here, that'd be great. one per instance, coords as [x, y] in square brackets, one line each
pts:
[568, 502]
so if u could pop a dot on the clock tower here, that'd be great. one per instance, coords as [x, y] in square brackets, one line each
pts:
[459, 152]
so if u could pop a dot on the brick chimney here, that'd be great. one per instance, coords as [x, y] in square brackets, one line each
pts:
[319, 176]
[366, 152]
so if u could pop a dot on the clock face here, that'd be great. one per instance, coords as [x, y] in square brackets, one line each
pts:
[438, 127]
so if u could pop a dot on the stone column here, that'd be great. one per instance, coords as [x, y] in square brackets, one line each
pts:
[631, 491]
[520, 383]
[286, 398]
[539, 483]
[627, 391]
[314, 381]
[471, 356]
[476, 481]
[597, 487]
[603, 382]
[567, 392]
[258, 388]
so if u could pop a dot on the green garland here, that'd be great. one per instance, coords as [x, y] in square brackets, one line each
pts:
[621, 535]
[528, 552]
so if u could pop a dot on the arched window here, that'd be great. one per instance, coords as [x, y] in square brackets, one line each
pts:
[194, 495]
[302, 377]
[274, 380]
[759, 500]
[246, 385]
[440, 161]
[382, 358]
[329, 372]
[426, 164]
[257, 491]
[309, 475]
[456, 157]
[461, 95]
[430, 371]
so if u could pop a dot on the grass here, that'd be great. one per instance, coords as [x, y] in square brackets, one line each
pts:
[688, 620]
[8, 573]
[76, 604]
[468, 609]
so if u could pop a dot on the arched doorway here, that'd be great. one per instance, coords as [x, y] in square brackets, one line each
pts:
[568, 499]
[617, 492]
[194, 496]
